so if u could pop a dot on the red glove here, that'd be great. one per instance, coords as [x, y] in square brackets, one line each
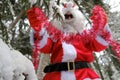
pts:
[36, 18]
[98, 17]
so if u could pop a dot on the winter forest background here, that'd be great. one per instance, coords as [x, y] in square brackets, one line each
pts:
[15, 31]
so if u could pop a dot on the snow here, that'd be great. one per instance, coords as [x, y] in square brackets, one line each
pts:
[6, 62]
[114, 5]
[14, 66]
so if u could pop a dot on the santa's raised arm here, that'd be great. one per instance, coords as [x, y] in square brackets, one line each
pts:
[73, 23]
[70, 46]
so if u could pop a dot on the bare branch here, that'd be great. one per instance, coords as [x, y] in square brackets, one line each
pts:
[11, 8]
[22, 13]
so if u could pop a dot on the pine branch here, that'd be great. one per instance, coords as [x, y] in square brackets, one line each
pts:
[98, 67]
[21, 14]
[11, 8]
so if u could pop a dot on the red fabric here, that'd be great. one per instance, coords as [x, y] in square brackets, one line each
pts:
[99, 18]
[84, 43]
[36, 18]
[99, 21]
[80, 75]
[35, 55]
[84, 53]
[115, 47]
[52, 76]
[85, 73]
[35, 58]
[83, 49]
[47, 48]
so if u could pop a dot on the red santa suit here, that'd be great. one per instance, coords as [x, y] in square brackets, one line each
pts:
[67, 47]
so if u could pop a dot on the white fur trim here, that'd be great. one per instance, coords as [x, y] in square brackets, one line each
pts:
[92, 79]
[32, 37]
[42, 32]
[69, 52]
[68, 75]
[43, 42]
[107, 28]
[101, 41]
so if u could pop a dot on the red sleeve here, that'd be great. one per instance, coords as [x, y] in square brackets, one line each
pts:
[93, 39]
[48, 47]
[95, 45]
[42, 27]
[41, 36]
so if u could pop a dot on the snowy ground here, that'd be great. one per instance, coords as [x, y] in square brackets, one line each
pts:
[15, 66]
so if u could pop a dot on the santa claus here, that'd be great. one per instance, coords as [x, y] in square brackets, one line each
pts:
[70, 46]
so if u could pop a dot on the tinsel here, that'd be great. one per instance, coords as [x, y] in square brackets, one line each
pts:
[99, 19]
[38, 20]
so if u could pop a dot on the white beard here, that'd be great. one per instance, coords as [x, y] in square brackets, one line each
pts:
[74, 25]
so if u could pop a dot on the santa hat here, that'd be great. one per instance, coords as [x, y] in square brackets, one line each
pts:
[69, 6]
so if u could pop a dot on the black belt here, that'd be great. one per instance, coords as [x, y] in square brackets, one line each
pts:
[66, 66]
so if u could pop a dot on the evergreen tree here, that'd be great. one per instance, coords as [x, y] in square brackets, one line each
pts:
[15, 29]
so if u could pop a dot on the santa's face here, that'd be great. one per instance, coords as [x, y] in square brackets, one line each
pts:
[69, 16]
[69, 12]
[72, 21]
